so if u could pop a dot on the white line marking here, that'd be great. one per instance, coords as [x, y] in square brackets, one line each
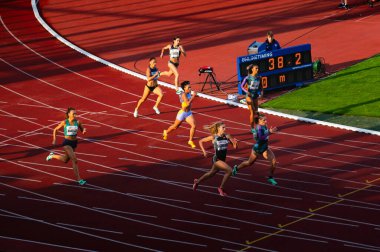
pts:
[18, 178]
[148, 162]
[292, 237]
[45, 201]
[125, 212]
[205, 224]
[271, 195]
[114, 174]
[162, 148]
[82, 187]
[12, 216]
[323, 168]
[239, 209]
[3, 102]
[161, 198]
[363, 142]
[303, 182]
[44, 243]
[169, 240]
[319, 220]
[90, 228]
[369, 190]
[107, 141]
[373, 248]
[23, 117]
[127, 102]
[350, 205]
[40, 164]
[2, 129]
[360, 19]
[346, 155]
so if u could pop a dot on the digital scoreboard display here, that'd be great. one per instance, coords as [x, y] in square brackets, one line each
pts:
[279, 68]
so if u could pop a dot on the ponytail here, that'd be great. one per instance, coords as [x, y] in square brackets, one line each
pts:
[213, 128]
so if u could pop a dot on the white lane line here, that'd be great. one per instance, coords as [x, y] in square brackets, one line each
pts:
[107, 141]
[346, 155]
[44, 243]
[372, 248]
[3, 102]
[148, 162]
[90, 228]
[376, 174]
[239, 209]
[78, 231]
[41, 200]
[323, 168]
[205, 224]
[292, 237]
[170, 240]
[303, 182]
[171, 149]
[84, 123]
[270, 195]
[160, 198]
[324, 221]
[2, 129]
[82, 187]
[116, 174]
[18, 178]
[360, 19]
[362, 142]
[125, 212]
[2, 194]
[122, 103]
[296, 158]
[349, 205]
[63, 109]
[41, 164]
[377, 229]
[13, 217]
[368, 190]
[20, 117]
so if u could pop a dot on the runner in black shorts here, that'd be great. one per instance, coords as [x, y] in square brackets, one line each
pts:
[152, 75]
[261, 135]
[220, 140]
[70, 129]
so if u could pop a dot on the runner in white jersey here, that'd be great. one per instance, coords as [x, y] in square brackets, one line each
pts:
[70, 130]
[175, 52]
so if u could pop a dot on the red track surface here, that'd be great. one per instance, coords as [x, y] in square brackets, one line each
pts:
[139, 193]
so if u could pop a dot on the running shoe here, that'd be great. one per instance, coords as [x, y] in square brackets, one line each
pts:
[272, 181]
[82, 182]
[136, 113]
[165, 135]
[157, 111]
[195, 185]
[50, 156]
[179, 91]
[221, 192]
[192, 145]
[234, 170]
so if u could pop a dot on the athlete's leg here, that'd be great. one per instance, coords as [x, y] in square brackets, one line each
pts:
[143, 98]
[252, 158]
[191, 121]
[71, 154]
[158, 92]
[227, 171]
[208, 174]
[269, 155]
[174, 70]
[251, 111]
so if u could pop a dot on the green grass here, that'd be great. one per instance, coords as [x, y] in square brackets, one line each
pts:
[354, 91]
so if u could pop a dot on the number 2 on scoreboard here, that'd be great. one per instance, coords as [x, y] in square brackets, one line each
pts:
[298, 60]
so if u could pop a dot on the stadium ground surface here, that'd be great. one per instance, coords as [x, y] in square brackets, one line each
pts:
[139, 194]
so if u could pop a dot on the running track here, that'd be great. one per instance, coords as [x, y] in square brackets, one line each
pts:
[139, 194]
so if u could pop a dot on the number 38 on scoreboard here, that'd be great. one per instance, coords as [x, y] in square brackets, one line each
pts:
[284, 67]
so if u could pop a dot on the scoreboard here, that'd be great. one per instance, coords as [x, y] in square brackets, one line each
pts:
[279, 68]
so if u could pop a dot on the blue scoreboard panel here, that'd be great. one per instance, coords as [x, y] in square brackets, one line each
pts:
[279, 68]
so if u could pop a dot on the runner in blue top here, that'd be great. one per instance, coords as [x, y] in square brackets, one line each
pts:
[70, 130]
[254, 90]
[175, 52]
[261, 134]
[185, 113]
[220, 140]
